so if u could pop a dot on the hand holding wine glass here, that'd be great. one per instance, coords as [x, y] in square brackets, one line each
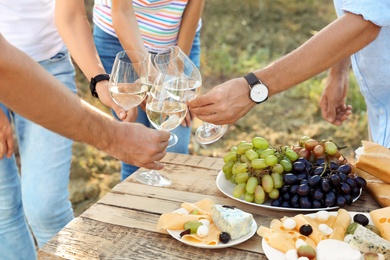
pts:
[125, 86]
[175, 63]
[165, 112]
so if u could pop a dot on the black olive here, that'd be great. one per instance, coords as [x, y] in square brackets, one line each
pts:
[305, 230]
[185, 232]
[361, 219]
[224, 237]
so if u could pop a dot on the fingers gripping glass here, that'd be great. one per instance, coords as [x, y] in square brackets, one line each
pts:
[175, 63]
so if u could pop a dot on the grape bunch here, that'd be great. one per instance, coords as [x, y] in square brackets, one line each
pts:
[311, 174]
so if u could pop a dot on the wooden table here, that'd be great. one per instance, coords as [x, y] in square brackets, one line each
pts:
[122, 225]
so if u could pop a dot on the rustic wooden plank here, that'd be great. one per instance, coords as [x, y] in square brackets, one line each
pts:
[114, 242]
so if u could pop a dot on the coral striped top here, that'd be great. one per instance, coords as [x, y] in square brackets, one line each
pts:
[158, 20]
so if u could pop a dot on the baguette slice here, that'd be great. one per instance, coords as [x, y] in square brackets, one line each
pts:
[378, 189]
[375, 160]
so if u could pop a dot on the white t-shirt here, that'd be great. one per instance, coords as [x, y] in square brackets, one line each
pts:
[29, 25]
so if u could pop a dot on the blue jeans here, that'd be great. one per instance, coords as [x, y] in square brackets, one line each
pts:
[38, 198]
[108, 46]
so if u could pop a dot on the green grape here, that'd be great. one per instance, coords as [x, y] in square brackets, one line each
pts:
[278, 168]
[245, 159]
[259, 164]
[251, 184]
[192, 225]
[259, 151]
[259, 195]
[243, 146]
[267, 152]
[291, 155]
[277, 179]
[233, 149]
[303, 140]
[227, 170]
[239, 167]
[242, 177]
[287, 166]
[233, 179]
[273, 194]
[230, 156]
[267, 182]
[260, 143]
[239, 190]
[330, 148]
[271, 160]
[248, 197]
[251, 154]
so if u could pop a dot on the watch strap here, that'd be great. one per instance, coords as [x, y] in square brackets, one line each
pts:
[252, 79]
[95, 80]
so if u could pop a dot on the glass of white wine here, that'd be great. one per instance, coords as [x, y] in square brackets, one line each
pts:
[165, 112]
[125, 86]
[175, 63]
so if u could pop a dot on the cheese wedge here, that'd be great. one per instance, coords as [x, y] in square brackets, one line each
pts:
[381, 219]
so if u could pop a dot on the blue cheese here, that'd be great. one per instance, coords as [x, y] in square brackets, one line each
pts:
[367, 241]
[235, 222]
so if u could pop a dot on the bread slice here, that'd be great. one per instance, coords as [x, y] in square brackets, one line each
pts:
[375, 160]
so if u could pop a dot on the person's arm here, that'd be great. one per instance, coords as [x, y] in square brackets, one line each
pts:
[126, 26]
[75, 30]
[229, 101]
[333, 98]
[189, 24]
[29, 90]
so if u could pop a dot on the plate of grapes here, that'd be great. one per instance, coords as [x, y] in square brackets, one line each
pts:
[312, 175]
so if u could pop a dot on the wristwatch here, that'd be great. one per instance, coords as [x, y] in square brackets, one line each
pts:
[94, 81]
[258, 92]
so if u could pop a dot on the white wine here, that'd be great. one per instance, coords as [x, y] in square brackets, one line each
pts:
[166, 115]
[182, 89]
[128, 95]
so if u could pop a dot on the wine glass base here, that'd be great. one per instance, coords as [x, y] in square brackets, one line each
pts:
[152, 178]
[209, 133]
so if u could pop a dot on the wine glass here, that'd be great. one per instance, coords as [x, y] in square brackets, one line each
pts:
[125, 86]
[165, 112]
[174, 62]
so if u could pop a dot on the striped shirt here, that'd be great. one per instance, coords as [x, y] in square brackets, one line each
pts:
[158, 20]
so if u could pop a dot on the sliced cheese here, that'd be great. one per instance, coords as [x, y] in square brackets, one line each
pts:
[381, 219]
[211, 239]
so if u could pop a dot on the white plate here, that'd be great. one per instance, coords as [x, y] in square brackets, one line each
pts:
[176, 234]
[273, 254]
[226, 187]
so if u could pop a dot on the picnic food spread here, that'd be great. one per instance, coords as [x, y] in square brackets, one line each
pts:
[352, 236]
[312, 174]
[207, 223]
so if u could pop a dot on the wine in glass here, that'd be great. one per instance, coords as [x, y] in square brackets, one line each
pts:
[175, 63]
[165, 112]
[125, 86]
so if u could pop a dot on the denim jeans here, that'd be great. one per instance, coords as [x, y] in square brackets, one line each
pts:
[38, 198]
[108, 46]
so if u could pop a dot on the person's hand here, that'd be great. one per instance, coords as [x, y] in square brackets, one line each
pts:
[139, 145]
[224, 104]
[188, 119]
[333, 98]
[6, 138]
[105, 98]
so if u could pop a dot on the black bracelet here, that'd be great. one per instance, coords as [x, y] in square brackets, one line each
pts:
[94, 81]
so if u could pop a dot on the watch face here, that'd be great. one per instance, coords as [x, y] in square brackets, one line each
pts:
[259, 93]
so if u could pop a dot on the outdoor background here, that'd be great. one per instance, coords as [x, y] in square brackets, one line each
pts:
[238, 37]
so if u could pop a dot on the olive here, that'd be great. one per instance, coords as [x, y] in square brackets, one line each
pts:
[306, 230]
[361, 219]
[185, 232]
[224, 237]
[351, 228]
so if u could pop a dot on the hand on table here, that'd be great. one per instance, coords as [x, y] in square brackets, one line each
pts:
[6, 137]
[224, 104]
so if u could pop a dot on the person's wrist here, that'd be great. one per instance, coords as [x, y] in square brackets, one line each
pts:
[95, 80]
